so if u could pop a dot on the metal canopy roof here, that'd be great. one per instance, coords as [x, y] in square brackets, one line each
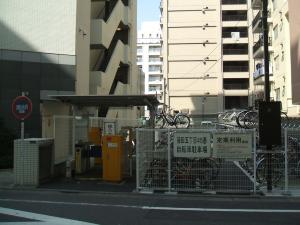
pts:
[109, 100]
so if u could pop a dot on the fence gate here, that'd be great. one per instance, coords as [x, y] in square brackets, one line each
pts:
[195, 160]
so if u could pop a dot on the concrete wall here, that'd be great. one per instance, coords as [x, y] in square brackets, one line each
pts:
[42, 25]
[294, 18]
[37, 55]
[83, 34]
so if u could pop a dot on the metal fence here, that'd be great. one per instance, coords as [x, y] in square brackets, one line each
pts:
[205, 160]
[292, 159]
[195, 160]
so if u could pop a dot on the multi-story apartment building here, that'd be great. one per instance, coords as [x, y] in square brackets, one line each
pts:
[78, 47]
[207, 61]
[149, 58]
[280, 54]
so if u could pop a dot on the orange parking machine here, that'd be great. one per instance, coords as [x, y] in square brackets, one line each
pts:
[112, 156]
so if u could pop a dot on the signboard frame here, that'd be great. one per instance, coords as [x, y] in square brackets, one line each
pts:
[232, 146]
[192, 144]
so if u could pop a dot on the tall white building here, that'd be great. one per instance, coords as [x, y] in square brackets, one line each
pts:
[149, 58]
[281, 48]
[207, 58]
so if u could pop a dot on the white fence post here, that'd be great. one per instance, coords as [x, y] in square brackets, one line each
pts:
[286, 183]
[254, 160]
[169, 161]
[137, 152]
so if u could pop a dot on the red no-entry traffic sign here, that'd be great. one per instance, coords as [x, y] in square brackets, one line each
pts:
[21, 107]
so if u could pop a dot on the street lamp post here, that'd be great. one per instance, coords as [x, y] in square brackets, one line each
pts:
[267, 83]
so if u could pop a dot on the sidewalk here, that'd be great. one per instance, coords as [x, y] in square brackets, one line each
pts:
[97, 185]
[6, 178]
[94, 185]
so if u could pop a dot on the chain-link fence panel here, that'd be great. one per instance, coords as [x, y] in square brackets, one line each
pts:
[211, 160]
[274, 170]
[152, 159]
[292, 161]
[196, 160]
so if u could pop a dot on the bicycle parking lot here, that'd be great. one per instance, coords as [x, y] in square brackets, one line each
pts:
[240, 167]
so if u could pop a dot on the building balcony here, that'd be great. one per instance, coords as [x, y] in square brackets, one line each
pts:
[242, 17]
[259, 75]
[257, 22]
[231, 69]
[103, 31]
[256, 4]
[154, 92]
[258, 48]
[161, 5]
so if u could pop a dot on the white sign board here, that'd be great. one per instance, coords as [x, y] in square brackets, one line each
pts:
[192, 145]
[232, 145]
[109, 128]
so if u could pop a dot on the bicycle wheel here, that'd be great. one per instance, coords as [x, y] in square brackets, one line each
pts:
[182, 121]
[240, 117]
[251, 119]
[262, 171]
[205, 172]
[159, 122]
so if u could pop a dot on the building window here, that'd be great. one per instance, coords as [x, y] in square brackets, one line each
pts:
[154, 59]
[154, 68]
[139, 50]
[275, 4]
[283, 91]
[155, 78]
[139, 59]
[275, 32]
[282, 56]
[277, 94]
[154, 49]
[276, 60]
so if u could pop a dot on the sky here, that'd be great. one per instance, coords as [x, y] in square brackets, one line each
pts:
[148, 10]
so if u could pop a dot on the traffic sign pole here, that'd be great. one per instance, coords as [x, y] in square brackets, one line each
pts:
[22, 109]
[22, 124]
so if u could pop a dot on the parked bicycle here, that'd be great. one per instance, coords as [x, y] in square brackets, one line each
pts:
[200, 173]
[179, 120]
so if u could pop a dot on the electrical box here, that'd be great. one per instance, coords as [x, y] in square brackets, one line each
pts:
[112, 157]
[270, 123]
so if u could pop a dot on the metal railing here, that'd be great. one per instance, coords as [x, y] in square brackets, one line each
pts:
[234, 2]
[257, 19]
[260, 43]
[235, 86]
[234, 17]
[235, 51]
[236, 68]
[229, 34]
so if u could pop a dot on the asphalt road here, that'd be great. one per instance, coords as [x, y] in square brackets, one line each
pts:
[138, 209]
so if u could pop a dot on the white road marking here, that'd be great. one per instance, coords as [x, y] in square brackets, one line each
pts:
[225, 210]
[157, 208]
[41, 219]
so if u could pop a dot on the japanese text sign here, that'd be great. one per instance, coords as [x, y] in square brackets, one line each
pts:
[232, 145]
[192, 145]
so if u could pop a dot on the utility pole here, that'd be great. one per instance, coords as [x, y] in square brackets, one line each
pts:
[267, 83]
